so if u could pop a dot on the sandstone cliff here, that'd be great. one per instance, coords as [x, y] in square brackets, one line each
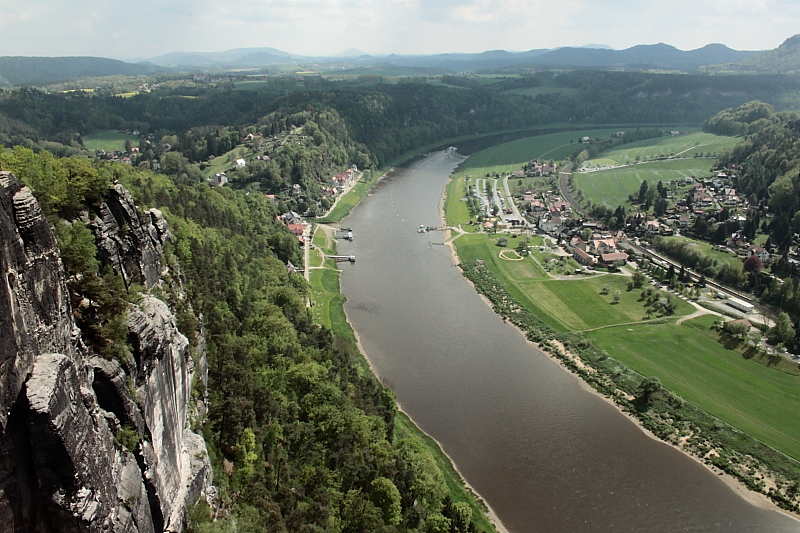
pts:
[61, 465]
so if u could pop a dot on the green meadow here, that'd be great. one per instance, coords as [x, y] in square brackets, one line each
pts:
[694, 363]
[108, 140]
[686, 145]
[707, 249]
[513, 155]
[612, 186]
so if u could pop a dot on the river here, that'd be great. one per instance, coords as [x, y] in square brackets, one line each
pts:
[545, 453]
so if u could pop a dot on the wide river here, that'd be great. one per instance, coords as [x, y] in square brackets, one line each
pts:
[546, 454]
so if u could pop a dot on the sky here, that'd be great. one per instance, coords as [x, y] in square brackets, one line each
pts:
[147, 28]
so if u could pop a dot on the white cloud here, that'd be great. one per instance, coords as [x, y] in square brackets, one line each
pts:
[316, 27]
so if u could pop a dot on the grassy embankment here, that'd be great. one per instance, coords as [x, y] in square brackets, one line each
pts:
[328, 310]
[109, 140]
[612, 186]
[728, 390]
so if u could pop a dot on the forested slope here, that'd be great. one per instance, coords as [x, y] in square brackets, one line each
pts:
[299, 430]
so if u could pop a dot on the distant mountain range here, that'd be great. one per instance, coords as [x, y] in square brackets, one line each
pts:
[782, 60]
[714, 58]
[18, 70]
[661, 56]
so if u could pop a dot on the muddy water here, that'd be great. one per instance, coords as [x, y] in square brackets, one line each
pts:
[546, 454]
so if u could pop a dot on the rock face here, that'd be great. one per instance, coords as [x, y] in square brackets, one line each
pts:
[61, 466]
[131, 243]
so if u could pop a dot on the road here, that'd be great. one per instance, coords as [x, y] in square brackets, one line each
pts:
[563, 181]
[514, 211]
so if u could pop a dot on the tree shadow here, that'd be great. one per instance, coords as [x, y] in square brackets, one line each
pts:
[750, 352]
[729, 341]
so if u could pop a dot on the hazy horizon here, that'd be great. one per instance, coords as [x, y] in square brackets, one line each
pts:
[407, 27]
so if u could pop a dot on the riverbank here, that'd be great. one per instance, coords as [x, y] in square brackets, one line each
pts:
[667, 418]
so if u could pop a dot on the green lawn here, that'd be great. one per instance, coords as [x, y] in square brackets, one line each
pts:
[759, 400]
[567, 305]
[612, 186]
[109, 140]
[455, 210]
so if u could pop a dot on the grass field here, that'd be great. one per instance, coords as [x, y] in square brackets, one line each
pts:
[512, 155]
[612, 186]
[679, 145]
[565, 304]
[109, 140]
[692, 363]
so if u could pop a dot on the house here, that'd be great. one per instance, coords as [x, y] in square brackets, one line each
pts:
[601, 246]
[582, 257]
[550, 224]
[585, 140]
[218, 180]
[652, 226]
[577, 242]
[607, 260]
[683, 220]
[297, 229]
[291, 217]
[760, 252]
[241, 163]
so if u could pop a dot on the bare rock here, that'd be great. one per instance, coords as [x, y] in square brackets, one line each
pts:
[131, 244]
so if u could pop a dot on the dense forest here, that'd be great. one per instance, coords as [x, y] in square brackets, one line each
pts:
[300, 432]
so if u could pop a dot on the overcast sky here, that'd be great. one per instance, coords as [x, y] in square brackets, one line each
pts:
[147, 28]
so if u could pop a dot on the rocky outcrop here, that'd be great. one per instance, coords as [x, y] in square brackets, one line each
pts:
[34, 304]
[62, 465]
[130, 242]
